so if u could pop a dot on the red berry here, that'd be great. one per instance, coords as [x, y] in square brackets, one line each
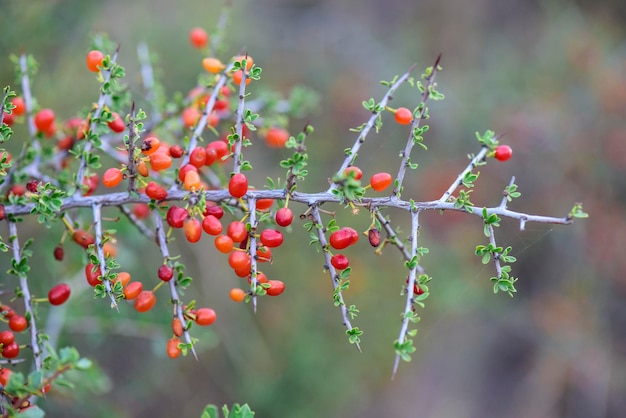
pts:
[18, 323]
[176, 216]
[339, 261]
[32, 185]
[284, 217]
[20, 106]
[198, 38]
[6, 337]
[94, 60]
[213, 209]
[59, 294]
[238, 185]
[117, 124]
[276, 287]
[212, 225]
[155, 191]
[271, 238]
[172, 348]
[83, 238]
[93, 275]
[503, 152]
[44, 119]
[403, 116]
[145, 301]
[373, 236]
[176, 151]
[184, 170]
[58, 252]
[343, 238]
[197, 158]
[354, 171]
[193, 230]
[221, 149]
[11, 350]
[264, 204]
[5, 375]
[205, 316]
[141, 210]
[177, 327]
[211, 156]
[237, 231]
[276, 137]
[165, 273]
[380, 181]
[238, 260]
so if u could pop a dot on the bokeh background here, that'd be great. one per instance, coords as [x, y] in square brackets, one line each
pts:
[550, 75]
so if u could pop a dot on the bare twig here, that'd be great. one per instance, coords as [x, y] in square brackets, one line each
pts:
[97, 219]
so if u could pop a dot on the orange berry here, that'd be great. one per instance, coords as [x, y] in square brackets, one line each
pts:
[192, 181]
[132, 290]
[190, 116]
[142, 169]
[380, 181]
[276, 137]
[172, 348]
[109, 249]
[224, 243]
[213, 65]
[237, 295]
[44, 119]
[205, 316]
[248, 58]
[94, 60]
[198, 38]
[150, 145]
[20, 106]
[112, 177]
[177, 327]
[403, 116]
[160, 161]
[144, 301]
[122, 277]
[238, 76]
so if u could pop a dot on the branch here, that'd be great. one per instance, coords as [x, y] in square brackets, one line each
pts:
[97, 219]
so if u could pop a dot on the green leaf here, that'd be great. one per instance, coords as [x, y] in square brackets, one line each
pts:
[210, 411]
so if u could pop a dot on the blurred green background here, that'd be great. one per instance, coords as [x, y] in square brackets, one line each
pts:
[550, 75]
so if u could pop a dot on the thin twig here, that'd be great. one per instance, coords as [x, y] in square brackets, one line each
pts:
[97, 219]
[253, 249]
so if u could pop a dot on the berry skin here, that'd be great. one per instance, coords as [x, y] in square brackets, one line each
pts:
[172, 348]
[380, 181]
[220, 147]
[177, 327]
[238, 185]
[237, 295]
[276, 137]
[193, 230]
[112, 177]
[184, 170]
[190, 116]
[44, 119]
[264, 254]
[271, 238]
[339, 261]
[59, 294]
[205, 316]
[276, 287]
[236, 230]
[198, 38]
[213, 209]
[373, 235]
[93, 277]
[503, 152]
[11, 350]
[141, 210]
[83, 238]
[6, 337]
[142, 168]
[176, 151]
[264, 204]
[224, 243]
[211, 156]
[238, 260]
[343, 238]
[145, 301]
[18, 323]
[132, 290]
[165, 273]
[403, 116]
[155, 191]
[260, 277]
[284, 217]
[211, 225]
[176, 216]
[94, 60]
